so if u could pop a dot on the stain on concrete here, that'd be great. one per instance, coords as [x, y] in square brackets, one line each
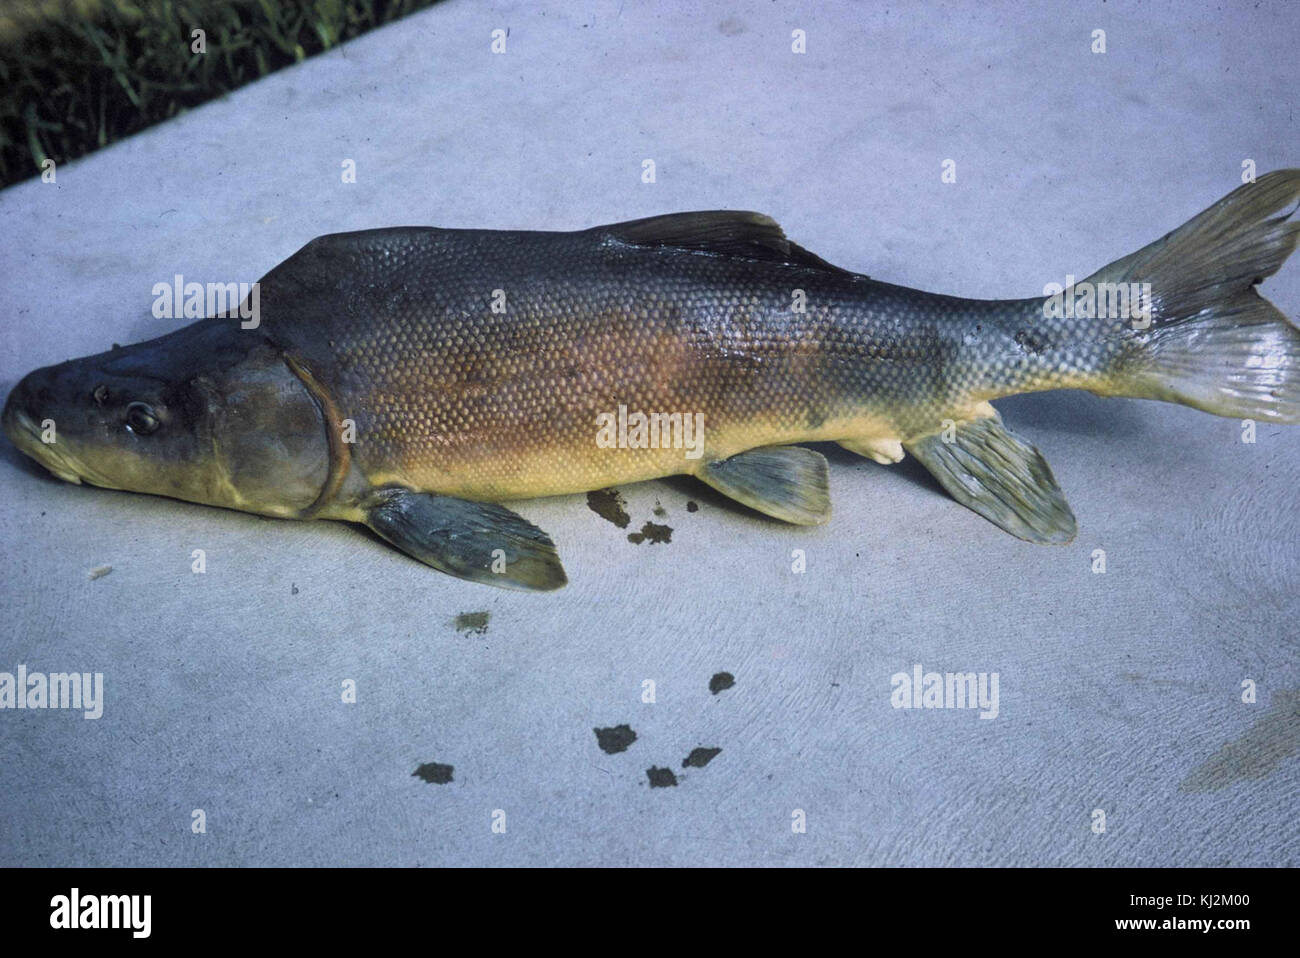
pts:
[651, 532]
[609, 504]
[692, 506]
[433, 773]
[721, 682]
[660, 777]
[1273, 738]
[731, 27]
[1138, 678]
[473, 623]
[659, 509]
[614, 739]
[700, 757]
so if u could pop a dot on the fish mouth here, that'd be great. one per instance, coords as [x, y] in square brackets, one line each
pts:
[25, 433]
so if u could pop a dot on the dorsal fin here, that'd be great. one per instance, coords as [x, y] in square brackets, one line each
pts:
[727, 232]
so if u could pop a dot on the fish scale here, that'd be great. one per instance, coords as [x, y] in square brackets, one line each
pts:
[710, 333]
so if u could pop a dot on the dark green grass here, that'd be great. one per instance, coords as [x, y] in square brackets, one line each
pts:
[76, 75]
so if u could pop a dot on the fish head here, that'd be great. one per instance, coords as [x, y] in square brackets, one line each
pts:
[102, 420]
[203, 415]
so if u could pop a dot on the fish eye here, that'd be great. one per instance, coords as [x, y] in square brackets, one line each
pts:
[140, 419]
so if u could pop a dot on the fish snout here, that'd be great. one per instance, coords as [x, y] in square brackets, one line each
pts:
[60, 393]
[45, 393]
[17, 418]
[27, 419]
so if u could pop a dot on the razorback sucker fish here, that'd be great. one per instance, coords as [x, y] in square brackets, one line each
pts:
[414, 378]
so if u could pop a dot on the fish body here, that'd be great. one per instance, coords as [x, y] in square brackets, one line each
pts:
[414, 378]
[450, 396]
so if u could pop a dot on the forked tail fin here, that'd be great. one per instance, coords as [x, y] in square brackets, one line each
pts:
[1212, 342]
[1202, 337]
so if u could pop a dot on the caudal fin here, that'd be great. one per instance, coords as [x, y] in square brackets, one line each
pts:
[1213, 342]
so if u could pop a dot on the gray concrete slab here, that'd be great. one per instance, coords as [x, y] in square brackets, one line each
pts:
[1118, 691]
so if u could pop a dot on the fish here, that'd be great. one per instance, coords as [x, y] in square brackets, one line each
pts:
[414, 379]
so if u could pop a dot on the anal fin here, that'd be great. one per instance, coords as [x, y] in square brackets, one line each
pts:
[1006, 480]
[884, 451]
[478, 541]
[785, 482]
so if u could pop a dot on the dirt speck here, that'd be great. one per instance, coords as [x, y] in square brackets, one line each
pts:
[660, 777]
[700, 757]
[651, 532]
[473, 623]
[659, 509]
[433, 773]
[614, 739]
[692, 506]
[721, 682]
[99, 572]
[609, 504]
[293, 589]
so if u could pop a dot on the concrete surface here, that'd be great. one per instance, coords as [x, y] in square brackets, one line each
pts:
[1118, 691]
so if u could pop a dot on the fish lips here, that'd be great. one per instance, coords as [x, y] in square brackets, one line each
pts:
[25, 433]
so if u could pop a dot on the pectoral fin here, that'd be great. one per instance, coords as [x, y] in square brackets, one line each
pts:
[786, 482]
[1005, 480]
[479, 541]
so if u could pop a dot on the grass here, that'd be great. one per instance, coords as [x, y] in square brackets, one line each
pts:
[75, 75]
